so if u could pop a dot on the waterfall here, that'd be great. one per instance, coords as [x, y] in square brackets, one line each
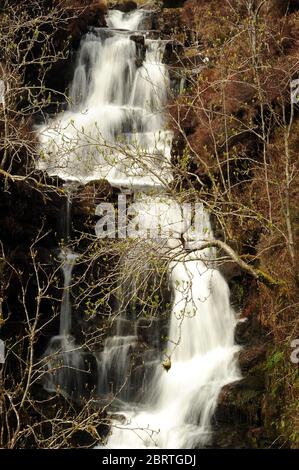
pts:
[68, 261]
[64, 359]
[114, 128]
[201, 350]
[131, 21]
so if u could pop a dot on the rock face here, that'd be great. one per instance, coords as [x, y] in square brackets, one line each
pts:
[239, 415]
[126, 7]
[173, 3]
[85, 14]
[25, 212]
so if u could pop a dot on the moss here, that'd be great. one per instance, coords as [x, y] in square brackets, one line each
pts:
[269, 280]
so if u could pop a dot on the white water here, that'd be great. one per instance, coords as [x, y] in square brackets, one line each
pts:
[114, 129]
[114, 126]
[64, 360]
[66, 306]
[181, 402]
[119, 20]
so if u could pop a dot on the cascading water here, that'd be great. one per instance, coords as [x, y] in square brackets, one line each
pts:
[180, 403]
[64, 359]
[114, 129]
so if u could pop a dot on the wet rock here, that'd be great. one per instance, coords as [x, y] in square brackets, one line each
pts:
[251, 357]
[148, 330]
[138, 39]
[58, 77]
[229, 437]
[231, 270]
[249, 331]
[150, 23]
[239, 437]
[241, 402]
[251, 382]
[153, 330]
[174, 51]
[125, 7]
[89, 374]
[140, 48]
[83, 438]
[143, 374]
[87, 197]
[89, 15]
[24, 209]
[173, 3]
[118, 417]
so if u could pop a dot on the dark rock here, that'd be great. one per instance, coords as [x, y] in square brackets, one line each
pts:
[83, 439]
[239, 437]
[173, 3]
[251, 382]
[125, 7]
[229, 437]
[251, 357]
[231, 270]
[140, 48]
[241, 402]
[148, 330]
[174, 51]
[118, 417]
[249, 329]
[57, 77]
[138, 38]
[87, 197]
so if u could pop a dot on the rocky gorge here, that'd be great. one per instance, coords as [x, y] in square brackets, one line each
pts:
[234, 147]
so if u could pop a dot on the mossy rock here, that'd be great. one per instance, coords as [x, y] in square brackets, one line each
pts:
[240, 403]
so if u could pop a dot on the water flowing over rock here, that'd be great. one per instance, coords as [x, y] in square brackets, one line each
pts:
[114, 129]
[64, 357]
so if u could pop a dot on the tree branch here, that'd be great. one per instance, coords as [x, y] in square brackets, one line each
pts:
[257, 274]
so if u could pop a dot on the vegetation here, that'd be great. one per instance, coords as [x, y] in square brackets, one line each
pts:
[238, 126]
